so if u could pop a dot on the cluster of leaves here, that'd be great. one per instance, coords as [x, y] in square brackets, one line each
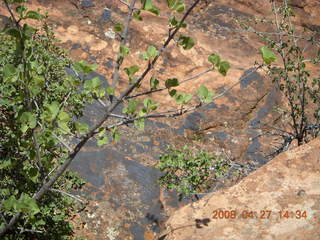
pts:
[292, 76]
[188, 171]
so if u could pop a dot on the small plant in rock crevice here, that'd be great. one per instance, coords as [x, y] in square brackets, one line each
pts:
[190, 171]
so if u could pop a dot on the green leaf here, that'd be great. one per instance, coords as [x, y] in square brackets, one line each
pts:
[10, 73]
[5, 164]
[27, 204]
[110, 91]
[28, 31]
[154, 83]
[203, 91]
[33, 174]
[148, 6]
[224, 67]
[13, 32]
[102, 141]
[124, 50]
[186, 42]
[131, 70]
[147, 102]
[149, 105]
[118, 27]
[267, 55]
[82, 66]
[152, 52]
[131, 108]
[63, 121]
[177, 5]
[171, 3]
[171, 82]
[93, 83]
[81, 128]
[10, 203]
[53, 109]
[115, 134]
[36, 85]
[172, 92]
[183, 98]
[174, 22]
[63, 116]
[34, 15]
[136, 15]
[21, 10]
[102, 131]
[204, 94]
[139, 124]
[214, 59]
[28, 120]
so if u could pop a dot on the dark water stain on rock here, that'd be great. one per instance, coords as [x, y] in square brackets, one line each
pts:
[106, 15]
[87, 3]
[128, 184]
[109, 63]
[193, 121]
[272, 100]
[222, 136]
[249, 76]
[138, 231]
[253, 151]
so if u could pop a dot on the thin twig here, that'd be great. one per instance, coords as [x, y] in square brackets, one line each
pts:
[164, 88]
[235, 84]
[280, 34]
[63, 143]
[125, 3]
[29, 230]
[68, 194]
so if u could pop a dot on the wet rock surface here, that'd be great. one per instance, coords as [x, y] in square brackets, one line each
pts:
[125, 199]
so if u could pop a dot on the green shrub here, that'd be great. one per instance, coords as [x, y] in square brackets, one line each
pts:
[188, 171]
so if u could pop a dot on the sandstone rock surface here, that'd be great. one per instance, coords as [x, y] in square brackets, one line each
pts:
[290, 182]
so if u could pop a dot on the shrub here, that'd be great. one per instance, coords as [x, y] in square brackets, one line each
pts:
[188, 171]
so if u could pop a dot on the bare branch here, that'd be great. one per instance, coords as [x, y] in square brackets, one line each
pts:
[124, 35]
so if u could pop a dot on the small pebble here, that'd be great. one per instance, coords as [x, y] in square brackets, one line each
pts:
[110, 34]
